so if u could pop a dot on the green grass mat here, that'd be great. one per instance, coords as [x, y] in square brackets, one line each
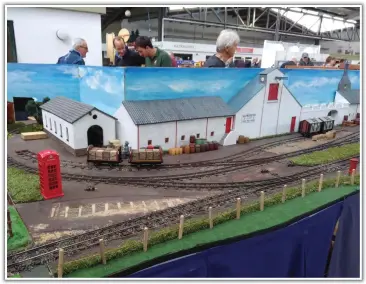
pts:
[328, 155]
[271, 216]
[23, 187]
[21, 237]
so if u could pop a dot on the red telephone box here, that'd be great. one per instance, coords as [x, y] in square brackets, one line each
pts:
[352, 165]
[50, 174]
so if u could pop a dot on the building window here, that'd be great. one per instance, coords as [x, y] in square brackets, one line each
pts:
[55, 126]
[166, 140]
[273, 92]
[212, 133]
[95, 116]
[12, 49]
[50, 124]
[198, 135]
[183, 137]
[149, 142]
[67, 134]
[60, 130]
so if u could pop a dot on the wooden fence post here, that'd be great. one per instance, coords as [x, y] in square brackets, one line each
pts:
[320, 182]
[210, 217]
[60, 268]
[238, 207]
[102, 252]
[261, 201]
[181, 225]
[338, 178]
[146, 238]
[284, 193]
[353, 177]
[303, 187]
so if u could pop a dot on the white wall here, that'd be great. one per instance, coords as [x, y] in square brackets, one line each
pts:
[289, 107]
[126, 129]
[352, 111]
[250, 128]
[63, 128]
[191, 127]
[82, 125]
[218, 126]
[35, 34]
[270, 117]
[340, 46]
[157, 134]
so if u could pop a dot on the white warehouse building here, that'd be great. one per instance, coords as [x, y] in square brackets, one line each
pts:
[77, 125]
[169, 123]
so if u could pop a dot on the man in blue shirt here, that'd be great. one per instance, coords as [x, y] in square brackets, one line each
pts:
[75, 55]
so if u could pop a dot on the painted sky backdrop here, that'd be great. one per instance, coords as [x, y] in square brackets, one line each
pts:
[168, 83]
[313, 86]
[106, 87]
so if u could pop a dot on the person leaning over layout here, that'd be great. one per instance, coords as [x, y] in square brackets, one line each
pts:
[75, 55]
[154, 56]
[124, 56]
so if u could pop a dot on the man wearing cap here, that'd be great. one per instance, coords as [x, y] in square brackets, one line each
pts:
[305, 60]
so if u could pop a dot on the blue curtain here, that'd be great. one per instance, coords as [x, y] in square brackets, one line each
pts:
[345, 261]
[298, 250]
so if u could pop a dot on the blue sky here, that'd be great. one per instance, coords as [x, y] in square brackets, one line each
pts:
[354, 76]
[102, 87]
[42, 80]
[313, 86]
[167, 83]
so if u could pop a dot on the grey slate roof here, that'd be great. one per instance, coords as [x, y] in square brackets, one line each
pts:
[246, 94]
[352, 96]
[158, 111]
[69, 110]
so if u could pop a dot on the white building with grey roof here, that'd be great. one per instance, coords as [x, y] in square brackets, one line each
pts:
[77, 125]
[169, 123]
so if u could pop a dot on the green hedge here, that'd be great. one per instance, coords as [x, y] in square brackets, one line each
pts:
[194, 225]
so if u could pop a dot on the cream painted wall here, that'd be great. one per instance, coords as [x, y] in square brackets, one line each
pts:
[157, 134]
[82, 125]
[35, 34]
[126, 129]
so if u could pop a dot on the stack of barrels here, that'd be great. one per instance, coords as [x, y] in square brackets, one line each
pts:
[192, 144]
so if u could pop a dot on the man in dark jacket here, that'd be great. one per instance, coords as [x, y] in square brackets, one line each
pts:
[305, 60]
[75, 55]
[125, 56]
[292, 62]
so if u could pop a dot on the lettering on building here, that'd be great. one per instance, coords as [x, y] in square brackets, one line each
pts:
[248, 118]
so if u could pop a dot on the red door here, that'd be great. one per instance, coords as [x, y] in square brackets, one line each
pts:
[228, 125]
[293, 122]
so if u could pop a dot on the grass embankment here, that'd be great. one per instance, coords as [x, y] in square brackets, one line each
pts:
[23, 187]
[22, 127]
[21, 237]
[326, 156]
[165, 241]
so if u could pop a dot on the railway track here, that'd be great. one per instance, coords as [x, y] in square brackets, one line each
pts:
[161, 181]
[47, 253]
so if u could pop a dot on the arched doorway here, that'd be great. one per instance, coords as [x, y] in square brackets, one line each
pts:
[95, 136]
[333, 114]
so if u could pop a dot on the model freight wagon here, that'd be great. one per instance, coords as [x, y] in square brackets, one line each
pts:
[328, 124]
[146, 156]
[105, 155]
[310, 127]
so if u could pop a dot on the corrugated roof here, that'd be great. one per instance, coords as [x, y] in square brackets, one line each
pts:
[68, 110]
[158, 111]
[352, 96]
[267, 71]
[246, 94]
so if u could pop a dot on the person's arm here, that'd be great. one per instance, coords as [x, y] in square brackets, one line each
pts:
[166, 61]
[80, 62]
[139, 59]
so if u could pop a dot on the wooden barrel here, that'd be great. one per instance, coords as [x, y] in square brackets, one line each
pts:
[198, 148]
[192, 139]
[192, 149]
[211, 146]
[216, 145]
[203, 148]
[206, 146]
[186, 149]
[11, 113]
